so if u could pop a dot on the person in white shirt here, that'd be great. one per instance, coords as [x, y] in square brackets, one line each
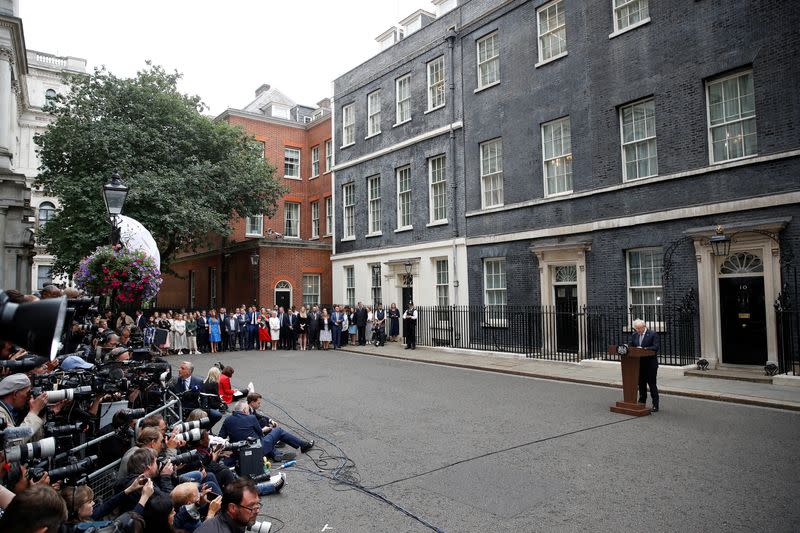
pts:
[410, 326]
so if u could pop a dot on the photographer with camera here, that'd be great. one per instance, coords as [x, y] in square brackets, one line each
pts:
[15, 396]
[240, 506]
[143, 466]
[193, 506]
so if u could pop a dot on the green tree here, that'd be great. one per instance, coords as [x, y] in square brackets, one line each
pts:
[189, 176]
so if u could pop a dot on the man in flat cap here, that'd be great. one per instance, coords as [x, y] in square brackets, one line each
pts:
[14, 396]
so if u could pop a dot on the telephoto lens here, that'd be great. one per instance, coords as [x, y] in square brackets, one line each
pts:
[186, 426]
[191, 435]
[233, 446]
[260, 527]
[183, 457]
[55, 396]
[135, 413]
[66, 429]
[76, 469]
[33, 450]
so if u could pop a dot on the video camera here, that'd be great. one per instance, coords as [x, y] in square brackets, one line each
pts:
[25, 364]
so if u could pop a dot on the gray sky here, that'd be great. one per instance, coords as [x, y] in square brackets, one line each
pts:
[224, 49]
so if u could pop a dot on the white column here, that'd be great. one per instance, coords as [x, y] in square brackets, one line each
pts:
[3, 213]
[6, 114]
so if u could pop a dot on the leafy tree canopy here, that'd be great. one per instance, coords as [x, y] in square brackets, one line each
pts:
[189, 176]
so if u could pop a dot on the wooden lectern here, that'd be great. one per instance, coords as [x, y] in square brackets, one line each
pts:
[630, 381]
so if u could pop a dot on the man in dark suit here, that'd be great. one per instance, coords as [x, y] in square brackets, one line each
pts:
[230, 326]
[648, 366]
[188, 387]
[313, 328]
[410, 326]
[223, 333]
[361, 323]
[286, 329]
[294, 328]
[336, 318]
[253, 317]
[140, 321]
[241, 316]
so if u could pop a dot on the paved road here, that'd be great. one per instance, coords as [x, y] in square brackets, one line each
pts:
[467, 450]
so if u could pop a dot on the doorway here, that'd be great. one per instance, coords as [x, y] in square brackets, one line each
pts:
[566, 310]
[743, 320]
[283, 294]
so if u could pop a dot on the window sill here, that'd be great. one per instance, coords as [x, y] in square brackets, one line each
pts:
[724, 161]
[254, 235]
[331, 234]
[313, 177]
[347, 239]
[550, 59]
[629, 28]
[371, 136]
[314, 238]
[436, 223]
[479, 89]
[342, 147]
[404, 228]
[495, 206]
[295, 178]
[558, 194]
[401, 123]
[290, 238]
[626, 179]
[376, 234]
[431, 110]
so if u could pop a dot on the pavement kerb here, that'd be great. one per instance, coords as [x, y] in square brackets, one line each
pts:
[670, 391]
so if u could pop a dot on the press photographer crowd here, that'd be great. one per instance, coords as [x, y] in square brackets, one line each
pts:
[98, 431]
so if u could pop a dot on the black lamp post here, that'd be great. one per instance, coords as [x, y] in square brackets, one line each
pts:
[114, 195]
[254, 259]
[408, 279]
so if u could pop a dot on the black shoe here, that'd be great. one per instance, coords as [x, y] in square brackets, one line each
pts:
[307, 446]
[654, 409]
[408, 347]
[283, 457]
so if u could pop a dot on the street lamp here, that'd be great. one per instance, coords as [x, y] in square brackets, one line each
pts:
[254, 259]
[720, 243]
[114, 194]
[408, 279]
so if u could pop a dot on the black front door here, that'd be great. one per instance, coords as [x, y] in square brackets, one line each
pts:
[408, 296]
[282, 299]
[567, 318]
[744, 320]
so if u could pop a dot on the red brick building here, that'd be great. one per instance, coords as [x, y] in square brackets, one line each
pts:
[293, 247]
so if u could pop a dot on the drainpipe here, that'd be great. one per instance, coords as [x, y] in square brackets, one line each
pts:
[451, 36]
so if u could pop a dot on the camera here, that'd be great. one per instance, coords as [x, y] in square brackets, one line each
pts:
[72, 471]
[260, 478]
[191, 435]
[33, 450]
[186, 426]
[22, 365]
[184, 458]
[55, 396]
[234, 446]
[63, 430]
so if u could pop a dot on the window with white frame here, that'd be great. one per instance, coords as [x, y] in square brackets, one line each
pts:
[291, 216]
[732, 117]
[374, 207]
[47, 210]
[328, 155]
[328, 216]
[403, 99]
[557, 156]
[44, 275]
[403, 197]
[349, 196]
[315, 220]
[492, 173]
[488, 60]
[438, 188]
[255, 226]
[311, 289]
[348, 125]
[629, 12]
[639, 151]
[350, 286]
[552, 30]
[374, 113]
[315, 161]
[436, 94]
[494, 284]
[442, 283]
[291, 163]
[377, 290]
[262, 148]
[645, 268]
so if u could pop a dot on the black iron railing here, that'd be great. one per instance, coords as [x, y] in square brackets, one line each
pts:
[788, 326]
[548, 332]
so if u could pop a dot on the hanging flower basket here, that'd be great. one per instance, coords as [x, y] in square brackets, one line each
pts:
[129, 277]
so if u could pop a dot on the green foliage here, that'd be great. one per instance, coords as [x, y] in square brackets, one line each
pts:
[189, 176]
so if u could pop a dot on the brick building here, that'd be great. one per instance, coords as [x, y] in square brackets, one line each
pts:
[293, 247]
[591, 149]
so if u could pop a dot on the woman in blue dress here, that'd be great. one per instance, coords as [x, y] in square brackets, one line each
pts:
[394, 323]
[214, 335]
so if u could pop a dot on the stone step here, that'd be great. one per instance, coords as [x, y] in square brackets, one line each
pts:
[746, 374]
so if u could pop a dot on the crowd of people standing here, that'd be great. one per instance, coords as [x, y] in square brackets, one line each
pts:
[252, 328]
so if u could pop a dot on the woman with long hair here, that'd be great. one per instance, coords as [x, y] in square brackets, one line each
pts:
[325, 328]
[302, 328]
[211, 384]
[214, 334]
[226, 391]
[264, 337]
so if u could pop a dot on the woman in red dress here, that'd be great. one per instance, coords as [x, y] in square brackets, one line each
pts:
[263, 330]
[225, 389]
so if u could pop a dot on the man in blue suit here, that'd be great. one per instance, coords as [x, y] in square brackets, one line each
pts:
[648, 366]
[188, 387]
